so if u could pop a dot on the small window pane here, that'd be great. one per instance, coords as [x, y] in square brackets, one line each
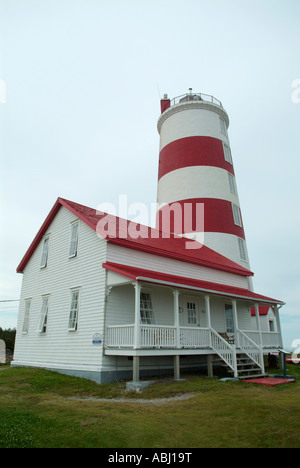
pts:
[26, 317]
[74, 308]
[44, 315]
[232, 183]
[146, 309]
[223, 126]
[74, 240]
[227, 153]
[45, 253]
[242, 249]
[236, 215]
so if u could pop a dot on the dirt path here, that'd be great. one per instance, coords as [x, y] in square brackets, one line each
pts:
[156, 401]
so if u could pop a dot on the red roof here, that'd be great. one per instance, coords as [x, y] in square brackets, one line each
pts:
[187, 283]
[123, 232]
[263, 310]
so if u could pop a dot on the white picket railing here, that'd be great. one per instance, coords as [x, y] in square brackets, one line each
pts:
[120, 336]
[269, 339]
[194, 337]
[153, 336]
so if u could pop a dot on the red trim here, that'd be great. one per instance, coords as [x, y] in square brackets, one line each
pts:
[263, 310]
[115, 230]
[193, 151]
[218, 217]
[139, 274]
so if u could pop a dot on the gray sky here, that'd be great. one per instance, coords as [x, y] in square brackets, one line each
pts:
[83, 83]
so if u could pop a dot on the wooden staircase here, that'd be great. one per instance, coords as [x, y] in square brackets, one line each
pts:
[244, 361]
[246, 367]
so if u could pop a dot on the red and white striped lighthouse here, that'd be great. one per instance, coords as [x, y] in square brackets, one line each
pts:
[196, 167]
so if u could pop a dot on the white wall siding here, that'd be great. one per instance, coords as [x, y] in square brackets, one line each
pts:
[124, 256]
[58, 345]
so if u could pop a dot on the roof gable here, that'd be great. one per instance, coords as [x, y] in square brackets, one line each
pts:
[138, 237]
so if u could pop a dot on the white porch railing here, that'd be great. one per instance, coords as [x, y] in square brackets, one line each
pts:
[153, 336]
[194, 337]
[165, 336]
[269, 339]
[120, 336]
[157, 336]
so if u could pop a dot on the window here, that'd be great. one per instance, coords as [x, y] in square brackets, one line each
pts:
[229, 318]
[232, 183]
[44, 315]
[271, 326]
[191, 310]
[44, 258]
[227, 153]
[223, 126]
[26, 317]
[74, 309]
[146, 309]
[242, 249]
[74, 240]
[236, 215]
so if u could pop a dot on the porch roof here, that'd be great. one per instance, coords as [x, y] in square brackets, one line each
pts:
[149, 276]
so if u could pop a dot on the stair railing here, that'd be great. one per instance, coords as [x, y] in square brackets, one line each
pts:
[224, 350]
[251, 349]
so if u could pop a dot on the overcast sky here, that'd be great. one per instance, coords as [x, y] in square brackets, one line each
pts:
[80, 88]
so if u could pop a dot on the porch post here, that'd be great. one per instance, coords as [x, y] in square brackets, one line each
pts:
[176, 318]
[177, 367]
[136, 369]
[277, 318]
[235, 319]
[207, 309]
[137, 315]
[260, 337]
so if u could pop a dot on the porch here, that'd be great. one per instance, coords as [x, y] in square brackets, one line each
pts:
[169, 321]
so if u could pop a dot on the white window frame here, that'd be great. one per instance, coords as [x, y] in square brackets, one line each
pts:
[223, 126]
[242, 249]
[227, 153]
[146, 308]
[232, 183]
[44, 257]
[44, 314]
[236, 215]
[25, 328]
[73, 249]
[74, 310]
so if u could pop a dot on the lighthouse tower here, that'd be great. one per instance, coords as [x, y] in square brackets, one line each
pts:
[196, 169]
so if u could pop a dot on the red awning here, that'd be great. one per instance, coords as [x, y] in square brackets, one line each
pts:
[149, 276]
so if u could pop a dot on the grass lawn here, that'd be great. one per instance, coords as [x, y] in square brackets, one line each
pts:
[43, 409]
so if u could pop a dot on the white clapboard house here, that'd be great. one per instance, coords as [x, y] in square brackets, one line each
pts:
[104, 305]
[106, 298]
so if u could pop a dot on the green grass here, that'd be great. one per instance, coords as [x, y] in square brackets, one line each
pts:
[44, 409]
